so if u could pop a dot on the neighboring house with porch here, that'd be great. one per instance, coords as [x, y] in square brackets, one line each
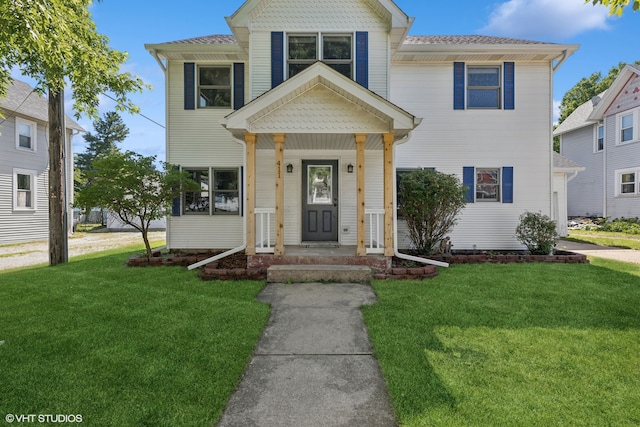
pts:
[296, 125]
[604, 136]
[24, 160]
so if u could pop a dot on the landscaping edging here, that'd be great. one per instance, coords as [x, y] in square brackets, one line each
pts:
[213, 270]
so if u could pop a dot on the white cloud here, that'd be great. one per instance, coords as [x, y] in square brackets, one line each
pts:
[545, 20]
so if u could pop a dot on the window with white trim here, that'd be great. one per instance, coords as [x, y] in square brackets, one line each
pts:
[483, 86]
[26, 131]
[599, 142]
[222, 185]
[628, 182]
[335, 50]
[627, 124]
[24, 190]
[214, 87]
[487, 184]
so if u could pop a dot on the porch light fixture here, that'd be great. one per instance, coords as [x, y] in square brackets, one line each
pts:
[349, 168]
[289, 168]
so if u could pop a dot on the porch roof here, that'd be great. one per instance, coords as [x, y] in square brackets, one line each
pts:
[320, 108]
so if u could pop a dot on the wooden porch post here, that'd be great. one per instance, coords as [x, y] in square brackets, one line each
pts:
[361, 138]
[388, 139]
[250, 140]
[278, 139]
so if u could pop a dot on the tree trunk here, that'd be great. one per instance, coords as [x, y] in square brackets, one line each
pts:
[57, 200]
[147, 245]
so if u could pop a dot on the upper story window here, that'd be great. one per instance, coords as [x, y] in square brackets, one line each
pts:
[483, 87]
[335, 50]
[599, 145]
[26, 134]
[626, 128]
[214, 86]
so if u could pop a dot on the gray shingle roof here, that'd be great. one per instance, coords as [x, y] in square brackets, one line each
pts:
[415, 40]
[577, 119]
[467, 40]
[23, 100]
[561, 162]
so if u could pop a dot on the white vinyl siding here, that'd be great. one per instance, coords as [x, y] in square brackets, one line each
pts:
[449, 140]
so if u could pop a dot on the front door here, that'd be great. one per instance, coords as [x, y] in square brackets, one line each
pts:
[320, 200]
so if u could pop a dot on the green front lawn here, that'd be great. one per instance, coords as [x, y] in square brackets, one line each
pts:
[519, 344]
[124, 346]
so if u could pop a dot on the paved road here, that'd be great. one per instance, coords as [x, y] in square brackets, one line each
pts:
[36, 253]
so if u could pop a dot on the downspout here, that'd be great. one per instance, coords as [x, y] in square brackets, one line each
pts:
[563, 58]
[244, 223]
[154, 53]
[395, 223]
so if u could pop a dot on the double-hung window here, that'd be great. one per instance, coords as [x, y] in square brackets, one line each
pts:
[599, 146]
[335, 50]
[483, 87]
[26, 134]
[222, 185]
[626, 128]
[24, 189]
[628, 182]
[487, 184]
[214, 86]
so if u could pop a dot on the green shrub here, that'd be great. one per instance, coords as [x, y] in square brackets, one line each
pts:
[537, 232]
[622, 225]
[429, 201]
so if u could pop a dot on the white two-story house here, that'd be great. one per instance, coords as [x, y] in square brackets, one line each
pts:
[297, 122]
[603, 135]
[24, 165]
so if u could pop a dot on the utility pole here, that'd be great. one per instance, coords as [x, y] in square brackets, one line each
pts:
[58, 238]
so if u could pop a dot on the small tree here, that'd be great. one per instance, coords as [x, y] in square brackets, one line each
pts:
[130, 185]
[537, 232]
[429, 201]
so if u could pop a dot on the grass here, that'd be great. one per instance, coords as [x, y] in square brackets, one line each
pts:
[604, 238]
[520, 344]
[124, 346]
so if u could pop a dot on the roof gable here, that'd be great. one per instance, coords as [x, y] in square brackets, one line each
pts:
[320, 100]
[624, 93]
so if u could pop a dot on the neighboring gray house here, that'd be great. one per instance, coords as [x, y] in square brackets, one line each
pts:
[564, 171]
[24, 160]
[603, 135]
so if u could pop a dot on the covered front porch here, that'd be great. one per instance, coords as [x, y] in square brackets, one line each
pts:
[319, 166]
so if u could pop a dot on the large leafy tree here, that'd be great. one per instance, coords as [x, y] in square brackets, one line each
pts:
[616, 7]
[131, 187]
[55, 42]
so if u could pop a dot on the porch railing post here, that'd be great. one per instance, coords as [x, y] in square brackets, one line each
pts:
[278, 139]
[361, 249]
[250, 140]
[388, 139]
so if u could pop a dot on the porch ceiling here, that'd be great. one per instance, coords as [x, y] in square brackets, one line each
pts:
[322, 105]
[320, 141]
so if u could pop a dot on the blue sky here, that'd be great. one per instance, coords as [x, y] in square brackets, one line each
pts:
[604, 41]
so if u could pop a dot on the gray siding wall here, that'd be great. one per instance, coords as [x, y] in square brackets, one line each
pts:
[625, 156]
[585, 192]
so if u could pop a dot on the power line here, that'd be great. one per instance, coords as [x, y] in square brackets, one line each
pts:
[16, 110]
[142, 115]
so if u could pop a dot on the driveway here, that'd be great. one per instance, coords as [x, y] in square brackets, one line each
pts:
[36, 253]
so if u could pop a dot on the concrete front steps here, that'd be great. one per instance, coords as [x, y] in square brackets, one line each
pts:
[319, 273]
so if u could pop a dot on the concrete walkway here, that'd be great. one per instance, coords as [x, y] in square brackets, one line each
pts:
[616, 254]
[313, 365]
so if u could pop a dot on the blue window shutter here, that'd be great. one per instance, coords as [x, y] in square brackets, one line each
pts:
[238, 85]
[175, 207]
[277, 58]
[507, 184]
[509, 86]
[189, 86]
[458, 85]
[362, 58]
[469, 180]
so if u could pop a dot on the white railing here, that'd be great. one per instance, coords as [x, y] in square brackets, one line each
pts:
[264, 217]
[375, 222]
